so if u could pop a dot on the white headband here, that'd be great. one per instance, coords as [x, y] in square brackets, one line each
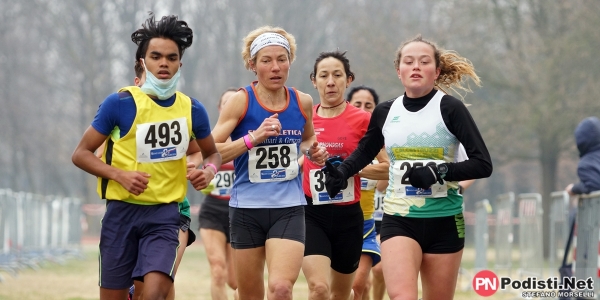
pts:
[268, 39]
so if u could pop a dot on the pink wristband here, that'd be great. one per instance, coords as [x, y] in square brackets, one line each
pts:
[248, 142]
[211, 165]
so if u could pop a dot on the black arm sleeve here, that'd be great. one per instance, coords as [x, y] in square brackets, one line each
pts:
[370, 144]
[459, 121]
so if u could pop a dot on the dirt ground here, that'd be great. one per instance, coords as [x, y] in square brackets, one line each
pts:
[76, 279]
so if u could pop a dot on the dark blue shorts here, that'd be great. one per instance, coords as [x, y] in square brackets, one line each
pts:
[136, 240]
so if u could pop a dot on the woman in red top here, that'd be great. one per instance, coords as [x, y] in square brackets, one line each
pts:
[334, 226]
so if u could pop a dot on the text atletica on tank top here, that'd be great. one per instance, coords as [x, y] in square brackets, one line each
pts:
[267, 175]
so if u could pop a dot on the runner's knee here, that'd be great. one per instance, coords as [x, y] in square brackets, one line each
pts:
[281, 289]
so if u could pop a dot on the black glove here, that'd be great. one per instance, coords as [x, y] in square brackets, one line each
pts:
[423, 177]
[336, 180]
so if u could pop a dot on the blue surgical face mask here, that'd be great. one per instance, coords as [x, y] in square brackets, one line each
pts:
[163, 89]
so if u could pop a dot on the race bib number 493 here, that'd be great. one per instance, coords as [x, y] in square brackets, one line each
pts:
[402, 186]
[273, 163]
[162, 141]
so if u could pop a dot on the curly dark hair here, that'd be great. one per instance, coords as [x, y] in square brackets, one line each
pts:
[169, 27]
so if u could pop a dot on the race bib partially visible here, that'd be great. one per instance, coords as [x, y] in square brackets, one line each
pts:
[161, 141]
[402, 186]
[367, 184]
[319, 193]
[272, 163]
[223, 181]
[378, 214]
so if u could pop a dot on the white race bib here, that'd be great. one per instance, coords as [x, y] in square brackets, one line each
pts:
[402, 186]
[272, 163]
[223, 181]
[378, 214]
[319, 193]
[162, 141]
[367, 184]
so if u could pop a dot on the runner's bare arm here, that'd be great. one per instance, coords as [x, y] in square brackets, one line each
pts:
[194, 156]
[378, 171]
[200, 178]
[231, 113]
[318, 154]
[84, 158]
[209, 151]
[100, 150]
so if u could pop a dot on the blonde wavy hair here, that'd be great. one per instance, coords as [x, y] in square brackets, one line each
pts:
[454, 69]
[258, 31]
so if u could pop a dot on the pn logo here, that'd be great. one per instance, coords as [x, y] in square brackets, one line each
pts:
[485, 283]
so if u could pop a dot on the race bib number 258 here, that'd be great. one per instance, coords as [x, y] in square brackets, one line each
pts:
[273, 163]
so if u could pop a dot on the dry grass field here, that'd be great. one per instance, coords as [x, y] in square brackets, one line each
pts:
[76, 279]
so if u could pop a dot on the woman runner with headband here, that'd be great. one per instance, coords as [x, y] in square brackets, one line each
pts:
[422, 232]
[270, 125]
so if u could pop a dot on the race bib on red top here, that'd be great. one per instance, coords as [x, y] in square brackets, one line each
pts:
[319, 193]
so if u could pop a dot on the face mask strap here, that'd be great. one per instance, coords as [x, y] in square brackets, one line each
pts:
[161, 88]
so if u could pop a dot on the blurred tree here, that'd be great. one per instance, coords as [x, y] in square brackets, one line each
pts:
[372, 45]
[62, 58]
[16, 39]
[83, 48]
[537, 62]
